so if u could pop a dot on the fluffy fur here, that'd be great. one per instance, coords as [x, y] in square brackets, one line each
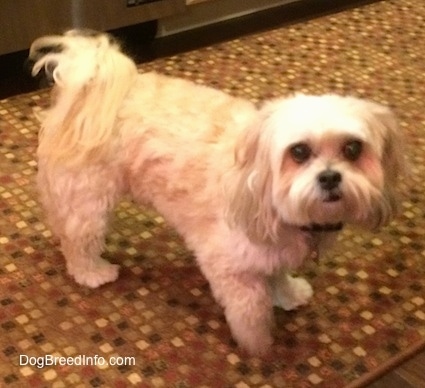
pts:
[254, 192]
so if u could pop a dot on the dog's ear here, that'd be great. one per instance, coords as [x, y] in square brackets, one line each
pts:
[394, 151]
[384, 126]
[249, 183]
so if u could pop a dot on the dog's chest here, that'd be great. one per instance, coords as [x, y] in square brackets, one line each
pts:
[298, 246]
[318, 243]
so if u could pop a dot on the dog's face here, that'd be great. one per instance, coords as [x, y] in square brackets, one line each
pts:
[327, 168]
[320, 160]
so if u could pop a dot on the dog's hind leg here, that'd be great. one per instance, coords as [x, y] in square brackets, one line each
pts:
[78, 206]
[83, 261]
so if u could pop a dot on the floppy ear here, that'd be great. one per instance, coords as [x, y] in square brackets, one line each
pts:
[393, 157]
[249, 184]
[384, 125]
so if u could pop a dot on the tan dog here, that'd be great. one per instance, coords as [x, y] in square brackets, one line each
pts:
[254, 192]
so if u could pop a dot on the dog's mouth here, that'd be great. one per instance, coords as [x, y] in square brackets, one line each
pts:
[333, 197]
[325, 228]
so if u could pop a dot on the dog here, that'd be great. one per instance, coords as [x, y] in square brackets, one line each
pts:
[254, 191]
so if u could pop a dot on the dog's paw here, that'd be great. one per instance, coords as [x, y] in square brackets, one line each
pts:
[258, 346]
[253, 343]
[103, 272]
[292, 293]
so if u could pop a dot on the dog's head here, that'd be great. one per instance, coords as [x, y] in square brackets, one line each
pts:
[316, 160]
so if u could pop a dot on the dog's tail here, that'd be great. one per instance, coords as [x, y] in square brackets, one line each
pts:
[91, 77]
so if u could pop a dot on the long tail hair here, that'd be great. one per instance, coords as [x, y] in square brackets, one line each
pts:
[91, 78]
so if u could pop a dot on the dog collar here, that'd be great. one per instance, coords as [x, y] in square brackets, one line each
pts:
[322, 228]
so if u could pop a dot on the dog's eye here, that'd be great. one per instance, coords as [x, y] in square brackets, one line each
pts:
[300, 152]
[352, 150]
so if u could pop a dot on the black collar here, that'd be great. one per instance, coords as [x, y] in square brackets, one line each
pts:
[322, 227]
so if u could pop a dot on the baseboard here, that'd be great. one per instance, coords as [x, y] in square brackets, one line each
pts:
[203, 13]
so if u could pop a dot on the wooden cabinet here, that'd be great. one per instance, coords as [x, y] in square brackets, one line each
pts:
[22, 21]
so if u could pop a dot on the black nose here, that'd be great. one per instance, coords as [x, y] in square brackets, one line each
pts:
[329, 179]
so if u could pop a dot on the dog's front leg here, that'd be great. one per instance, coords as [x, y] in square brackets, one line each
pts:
[290, 292]
[248, 308]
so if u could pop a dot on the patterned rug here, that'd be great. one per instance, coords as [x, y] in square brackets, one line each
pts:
[158, 326]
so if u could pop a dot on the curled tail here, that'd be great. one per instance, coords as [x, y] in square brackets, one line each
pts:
[91, 78]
